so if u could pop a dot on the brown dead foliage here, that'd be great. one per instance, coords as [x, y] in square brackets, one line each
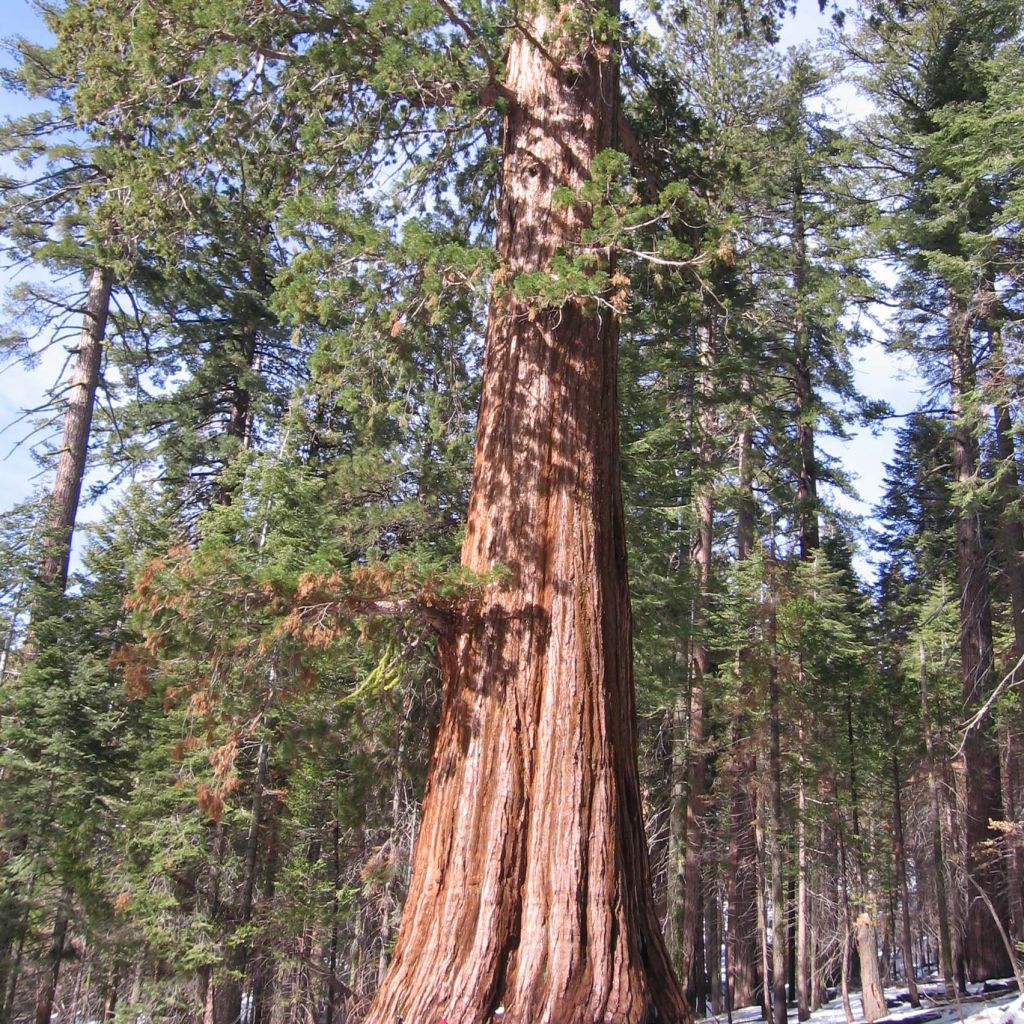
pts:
[211, 801]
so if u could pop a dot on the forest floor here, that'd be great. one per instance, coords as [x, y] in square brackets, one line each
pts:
[977, 1007]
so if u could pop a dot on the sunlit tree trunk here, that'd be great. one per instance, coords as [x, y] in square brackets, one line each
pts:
[74, 449]
[530, 883]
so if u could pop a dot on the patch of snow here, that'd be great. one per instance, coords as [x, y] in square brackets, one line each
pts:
[1003, 1007]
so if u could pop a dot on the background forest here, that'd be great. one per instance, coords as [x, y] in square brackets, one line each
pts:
[264, 234]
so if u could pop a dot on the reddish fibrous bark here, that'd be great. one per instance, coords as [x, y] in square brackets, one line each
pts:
[530, 884]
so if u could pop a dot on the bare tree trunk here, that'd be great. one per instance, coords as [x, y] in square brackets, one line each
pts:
[900, 859]
[135, 993]
[74, 449]
[227, 999]
[530, 885]
[810, 541]
[872, 995]
[744, 970]
[699, 977]
[986, 957]
[110, 993]
[47, 990]
[938, 860]
[700, 559]
[844, 887]
[741, 889]
[762, 917]
[713, 917]
[219, 997]
[675, 867]
[332, 958]
[889, 940]
[775, 832]
[264, 968]
[803, 898]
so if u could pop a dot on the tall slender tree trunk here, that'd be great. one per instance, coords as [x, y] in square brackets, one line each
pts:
[227, 999]
[986, 957]
[530, 884]
[675, 867]
[803, 897]
[810, 541]
[775, 832]
[111, 988]
[938, 859]
[744, 973]
[47, 990]
[332, 958]
[221, 990]
[899, 857]
[264, 967]
[700, 559]
[762, 912]
[713, 917]
[844, 891]
[744, 968]
[74, 449]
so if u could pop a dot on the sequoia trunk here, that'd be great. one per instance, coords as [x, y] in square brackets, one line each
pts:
[530, 884]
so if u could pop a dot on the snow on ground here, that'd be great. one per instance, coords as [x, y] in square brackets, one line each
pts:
[977, 1007]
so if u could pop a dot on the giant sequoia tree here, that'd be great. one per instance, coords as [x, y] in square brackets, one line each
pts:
[530, 880]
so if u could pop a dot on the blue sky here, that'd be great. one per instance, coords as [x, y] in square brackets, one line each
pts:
[19, 388]
[879, 375]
